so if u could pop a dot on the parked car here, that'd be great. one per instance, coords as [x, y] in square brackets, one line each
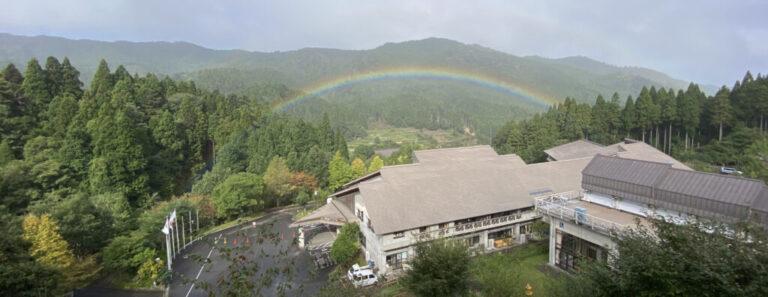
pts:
[730, 170]
[362, 276]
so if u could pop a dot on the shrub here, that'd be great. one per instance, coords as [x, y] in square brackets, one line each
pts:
[346, 246]
[440, 268]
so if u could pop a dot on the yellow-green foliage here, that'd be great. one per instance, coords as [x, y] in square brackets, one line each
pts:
[149, 272]
[358, 167]
[51, 250]
[376, 164]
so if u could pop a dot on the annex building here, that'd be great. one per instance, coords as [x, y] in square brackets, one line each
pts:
[619, 193]
[476, 195]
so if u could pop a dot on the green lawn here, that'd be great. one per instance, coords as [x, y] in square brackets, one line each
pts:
[512, 270]
[528, 261]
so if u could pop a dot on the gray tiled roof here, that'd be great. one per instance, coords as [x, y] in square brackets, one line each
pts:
[453, 184]
[576, 149]
[628, 149]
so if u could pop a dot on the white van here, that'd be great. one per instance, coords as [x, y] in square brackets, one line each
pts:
[362, 276]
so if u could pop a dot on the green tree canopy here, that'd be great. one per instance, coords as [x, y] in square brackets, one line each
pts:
[239, 194]
[667, 259]
[339, 172]
[440, 268]
[277, 179]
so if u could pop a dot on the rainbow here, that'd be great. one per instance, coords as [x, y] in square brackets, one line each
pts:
[449, 74]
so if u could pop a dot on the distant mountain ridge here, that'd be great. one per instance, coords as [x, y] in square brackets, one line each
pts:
[419, 103]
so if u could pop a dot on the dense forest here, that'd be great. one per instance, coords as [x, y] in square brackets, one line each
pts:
[728, 128]
[87, 175]
[422, 103]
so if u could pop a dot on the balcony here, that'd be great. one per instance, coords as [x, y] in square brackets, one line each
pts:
[414, 236]
[569, 206]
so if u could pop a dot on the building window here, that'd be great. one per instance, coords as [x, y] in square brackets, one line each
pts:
[360, 215]
[525, 229]
[472, 241]
[398, 234]
[422, 229]
[395, 261]
[370, 225]
[443, 226]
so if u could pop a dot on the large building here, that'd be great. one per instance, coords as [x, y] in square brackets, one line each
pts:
[619, 193]
[469, 193]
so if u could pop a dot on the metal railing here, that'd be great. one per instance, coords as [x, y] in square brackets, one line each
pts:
[559, 205]
[415, 236]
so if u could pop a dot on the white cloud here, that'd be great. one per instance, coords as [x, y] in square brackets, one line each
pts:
[706, 41]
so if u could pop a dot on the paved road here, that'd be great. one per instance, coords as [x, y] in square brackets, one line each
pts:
[306, 280]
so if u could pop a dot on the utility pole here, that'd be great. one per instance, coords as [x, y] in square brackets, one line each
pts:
[197, 216]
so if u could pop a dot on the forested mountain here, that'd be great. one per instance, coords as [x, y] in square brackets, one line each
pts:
[405, 102]
[728, 128]
[87, 175]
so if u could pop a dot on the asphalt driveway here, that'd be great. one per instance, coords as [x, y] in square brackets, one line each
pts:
[302, 280]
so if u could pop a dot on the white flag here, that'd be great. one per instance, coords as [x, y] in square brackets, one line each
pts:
[167, 228]
[172, 220]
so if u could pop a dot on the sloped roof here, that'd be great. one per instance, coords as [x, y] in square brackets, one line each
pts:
[458, 187]
[628, 149]
[717, 187]
[576, 150]
[686, 188]
[333, 213]
[637, 172]
[642, 151]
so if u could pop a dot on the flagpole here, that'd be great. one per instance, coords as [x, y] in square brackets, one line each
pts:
[183, 236]
[191, 238]
[168, 246]
[173, 243]
[178, 250]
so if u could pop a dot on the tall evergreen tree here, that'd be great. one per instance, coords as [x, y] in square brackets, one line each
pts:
[720, 110]
[118, 163]
[54, 74]
[70, 80]
[689, 111]
[628, 116]
[668, 106]
[121, 74]
[35, 88]
[648, 113]
[102, 82]
[12, 75]
[613, 112]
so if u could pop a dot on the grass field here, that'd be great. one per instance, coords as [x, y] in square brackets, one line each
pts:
[511, 270]
[422, 137]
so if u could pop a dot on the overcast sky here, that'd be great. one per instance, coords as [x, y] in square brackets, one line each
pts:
[712, 42]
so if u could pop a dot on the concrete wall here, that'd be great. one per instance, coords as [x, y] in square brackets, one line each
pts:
[577, 231]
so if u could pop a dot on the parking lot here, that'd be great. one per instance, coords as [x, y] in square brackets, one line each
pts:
[203, 264]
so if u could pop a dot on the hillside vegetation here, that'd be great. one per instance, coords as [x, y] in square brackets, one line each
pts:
[727, 129]
[417, 103]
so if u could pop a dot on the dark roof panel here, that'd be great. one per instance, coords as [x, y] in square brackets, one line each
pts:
[722, 188]
[626, 170]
